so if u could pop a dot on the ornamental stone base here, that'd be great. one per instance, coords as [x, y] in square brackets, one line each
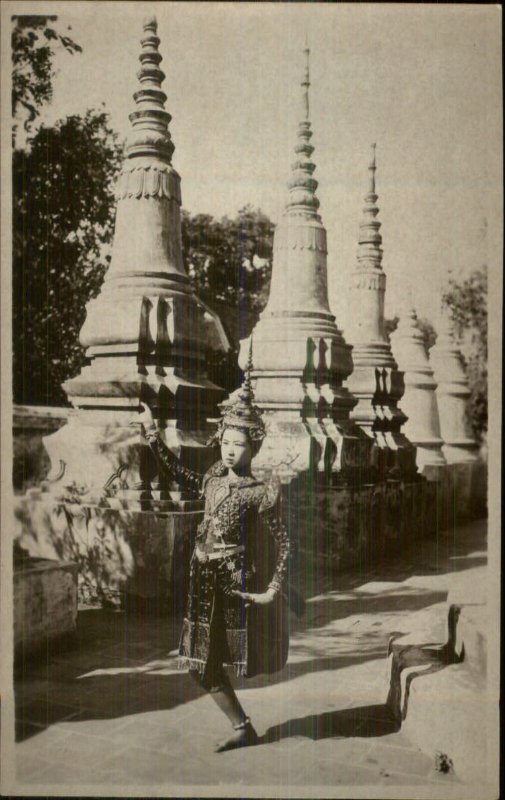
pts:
[99, 452]
[294, 446]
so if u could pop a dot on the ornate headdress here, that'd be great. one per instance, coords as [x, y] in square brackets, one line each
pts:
[240, 413]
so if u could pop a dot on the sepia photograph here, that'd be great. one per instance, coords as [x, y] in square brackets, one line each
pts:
[251, 338]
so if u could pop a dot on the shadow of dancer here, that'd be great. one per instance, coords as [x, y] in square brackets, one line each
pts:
[362, 722]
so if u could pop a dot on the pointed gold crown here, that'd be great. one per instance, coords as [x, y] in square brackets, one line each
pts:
[241, 413]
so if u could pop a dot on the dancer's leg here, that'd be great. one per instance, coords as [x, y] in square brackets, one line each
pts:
[225, 698]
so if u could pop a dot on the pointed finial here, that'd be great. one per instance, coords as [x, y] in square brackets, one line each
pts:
[150, 23]
[302, 186]
[372, 168]
[242, 413]
[306, 78]
[247, 392]
[150, 135]
[369, 229]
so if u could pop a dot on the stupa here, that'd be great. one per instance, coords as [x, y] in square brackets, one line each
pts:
[453, 394]
[419, 401]
[147, 334]
[376, 381]
[300, 356]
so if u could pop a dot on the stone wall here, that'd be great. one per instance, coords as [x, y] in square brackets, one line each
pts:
[350, 528]
[120, 553]
[45, 603]
[144, 555]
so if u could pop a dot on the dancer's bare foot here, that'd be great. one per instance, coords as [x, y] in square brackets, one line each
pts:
[243, 735]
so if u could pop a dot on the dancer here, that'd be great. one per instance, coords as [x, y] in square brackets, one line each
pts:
[237, 604]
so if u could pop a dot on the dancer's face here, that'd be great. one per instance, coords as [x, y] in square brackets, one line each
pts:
[236, 450]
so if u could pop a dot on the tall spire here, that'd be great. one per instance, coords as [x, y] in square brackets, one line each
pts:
[375, 380]
[367, 331]
[370, 240]
[371, 168]
[301, 358]
[149, 143]
[147, 335]
[302, 186]
[150, 100]
[306, 79]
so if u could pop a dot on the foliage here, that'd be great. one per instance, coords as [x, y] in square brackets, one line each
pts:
[390, 325]
[424, 325]
[63, 209]
[229, 262]
[96, 538]
[34, 42]
[468, 303]
[63, 223]
[428, 331]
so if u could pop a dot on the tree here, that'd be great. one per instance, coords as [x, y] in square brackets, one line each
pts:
[63, 223]
[229, 262]
[424, 325]
[468, 303]
[34, 43]
[428, 331]
[63, 209]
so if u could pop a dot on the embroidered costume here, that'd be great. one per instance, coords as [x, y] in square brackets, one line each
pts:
[241, 544]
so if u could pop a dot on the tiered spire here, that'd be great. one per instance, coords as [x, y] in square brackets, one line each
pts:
[147, 334]
[367, 332]
[147, 174]
[370, 239]
[299, 276]
[150, 100]
[376, 380]
[301, 358]
[302, 186]
[149, 135]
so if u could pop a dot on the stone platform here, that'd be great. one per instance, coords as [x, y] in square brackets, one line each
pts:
[116, 712]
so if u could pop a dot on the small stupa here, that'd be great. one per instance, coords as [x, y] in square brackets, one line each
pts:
[376, 381]
[419, 401]
[453, 393]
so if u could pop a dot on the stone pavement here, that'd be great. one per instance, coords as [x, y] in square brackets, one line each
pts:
[113, 710]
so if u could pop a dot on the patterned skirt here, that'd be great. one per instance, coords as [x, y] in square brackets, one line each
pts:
[214, 632]
[219, 631]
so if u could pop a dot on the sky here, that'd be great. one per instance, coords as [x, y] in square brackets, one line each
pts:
[423, 81]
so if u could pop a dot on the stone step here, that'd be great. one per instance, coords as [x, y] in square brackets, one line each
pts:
[437, 689]
[447, 714]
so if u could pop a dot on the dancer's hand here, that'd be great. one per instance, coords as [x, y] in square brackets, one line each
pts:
[145, 418]
[262, 599]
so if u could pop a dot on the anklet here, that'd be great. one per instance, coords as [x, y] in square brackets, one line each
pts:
[242, 725]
